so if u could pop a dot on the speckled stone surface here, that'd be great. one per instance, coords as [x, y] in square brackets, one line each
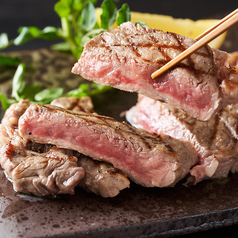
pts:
[135, 212]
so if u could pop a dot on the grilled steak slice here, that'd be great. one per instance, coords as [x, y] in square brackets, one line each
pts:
[83, 104]
[102, 178]
[233, 59]
[212, 139]
[148, 159]
[14, 112]
[125, 58]
[44, 174]
[229, 115]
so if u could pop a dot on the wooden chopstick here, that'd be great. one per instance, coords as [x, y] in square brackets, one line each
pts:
[222, 26]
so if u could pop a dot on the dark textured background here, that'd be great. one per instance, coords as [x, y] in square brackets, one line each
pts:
[15, 13]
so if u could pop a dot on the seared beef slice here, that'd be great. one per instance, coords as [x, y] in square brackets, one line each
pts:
[28, 164]
[215, 140]
[35, 173]
[148, 159]
[14, 112]
[100, 177]
[125, 58]
[83, 104]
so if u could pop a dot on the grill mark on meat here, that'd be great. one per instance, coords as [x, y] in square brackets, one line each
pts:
[10, 150]
[142, 136]
[121, 129]
[162, 48]
[76, 104]
[109, 122]
[191, 63]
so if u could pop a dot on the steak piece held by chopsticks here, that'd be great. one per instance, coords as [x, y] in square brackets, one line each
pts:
[215, 140]
[125, 58]
[148, 159]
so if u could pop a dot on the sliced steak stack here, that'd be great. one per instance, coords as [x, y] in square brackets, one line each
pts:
[215, 140]
[148, 159]
[182, 102]
[53, 148]
[43, 169]
[125, 58]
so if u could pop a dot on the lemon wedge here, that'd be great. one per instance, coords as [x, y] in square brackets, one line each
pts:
[186, 27]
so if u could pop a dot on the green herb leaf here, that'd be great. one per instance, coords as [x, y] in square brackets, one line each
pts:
[141, 23]
[26, 34]
[62, 46]
[18, 82]
[6, 102]
[48, 95]
[98, 89]
[93, 1]
[3, 40]
[48, 33]
[78, 26]
[81, 91]
[124, 14]
[62, 8]
[29, 33]
[77, 5]
[9, 61]
[109, 12]
[88, 16]
[30, 91]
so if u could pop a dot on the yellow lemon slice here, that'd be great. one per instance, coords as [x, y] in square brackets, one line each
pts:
[186, 27]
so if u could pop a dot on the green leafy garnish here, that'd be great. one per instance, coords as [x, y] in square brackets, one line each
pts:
[88, 17]
[3, 40]
[124, 14]
[141, 23]
[84, 90]
[6, 102]
[78, 26]
[18, 82]
[109, 13]
[35, 94]
[9, 61]
[48, 95]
